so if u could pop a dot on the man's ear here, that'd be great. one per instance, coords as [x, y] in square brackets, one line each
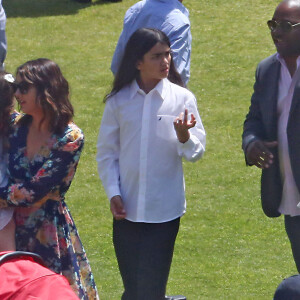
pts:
[138, 64]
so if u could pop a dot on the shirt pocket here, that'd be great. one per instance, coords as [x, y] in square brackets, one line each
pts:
[165, 127]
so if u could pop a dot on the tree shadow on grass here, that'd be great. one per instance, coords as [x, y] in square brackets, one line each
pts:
[44, 8]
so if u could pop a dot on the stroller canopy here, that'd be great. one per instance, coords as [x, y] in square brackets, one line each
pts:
[24, 277]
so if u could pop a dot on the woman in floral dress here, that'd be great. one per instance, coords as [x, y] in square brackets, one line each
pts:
[45, 147]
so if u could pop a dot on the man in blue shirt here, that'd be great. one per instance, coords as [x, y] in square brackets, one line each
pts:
[171, 17]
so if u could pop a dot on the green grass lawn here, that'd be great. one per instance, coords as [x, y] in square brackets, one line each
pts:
[226, 248]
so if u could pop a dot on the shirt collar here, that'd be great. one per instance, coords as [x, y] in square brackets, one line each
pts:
[160, 88]
[177, 3]
[282, 61]
[134, 89]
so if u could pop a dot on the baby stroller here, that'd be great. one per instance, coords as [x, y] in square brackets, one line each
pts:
[23, 276]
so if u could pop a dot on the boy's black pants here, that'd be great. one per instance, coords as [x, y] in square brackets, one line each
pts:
[144, 252]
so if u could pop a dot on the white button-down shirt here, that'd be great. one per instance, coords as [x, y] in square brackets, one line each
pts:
[139, 156]
[290, 193]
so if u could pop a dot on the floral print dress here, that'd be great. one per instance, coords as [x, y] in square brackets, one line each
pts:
[44, 224]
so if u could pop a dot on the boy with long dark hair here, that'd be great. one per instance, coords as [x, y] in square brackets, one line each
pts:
[146, 129]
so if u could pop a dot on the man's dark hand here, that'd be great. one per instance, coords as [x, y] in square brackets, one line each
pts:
[117, 207]
[258, 153]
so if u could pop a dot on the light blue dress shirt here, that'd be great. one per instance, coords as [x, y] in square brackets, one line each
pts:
[172, 18]
[3, 42]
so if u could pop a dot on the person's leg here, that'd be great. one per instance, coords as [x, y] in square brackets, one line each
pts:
[144, 253]
[3, 48]
[126, 237]
[7, 237]
[292, 227]
[157, 246]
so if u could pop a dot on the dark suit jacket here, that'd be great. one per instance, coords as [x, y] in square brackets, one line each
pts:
[261, 123]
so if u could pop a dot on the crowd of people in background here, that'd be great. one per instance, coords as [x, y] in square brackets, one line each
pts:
[150, 123]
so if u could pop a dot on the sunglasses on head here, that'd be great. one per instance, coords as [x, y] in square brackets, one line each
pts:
[22, 86]
[284, 26]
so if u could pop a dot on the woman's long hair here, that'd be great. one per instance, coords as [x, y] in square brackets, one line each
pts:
[141, 42]
[6, 102]
[52, 91]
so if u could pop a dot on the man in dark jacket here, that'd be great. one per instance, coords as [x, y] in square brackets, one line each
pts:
[271, 137]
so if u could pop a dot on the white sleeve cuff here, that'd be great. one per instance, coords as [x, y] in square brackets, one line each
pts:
[113, 191]
[191, 150]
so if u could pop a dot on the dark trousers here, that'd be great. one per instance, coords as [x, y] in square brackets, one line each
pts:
[144, 252]
[292, 227]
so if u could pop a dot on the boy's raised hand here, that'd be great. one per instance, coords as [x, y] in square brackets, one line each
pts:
[182, 126]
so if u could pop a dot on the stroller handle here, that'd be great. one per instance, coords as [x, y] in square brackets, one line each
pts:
[21, 254]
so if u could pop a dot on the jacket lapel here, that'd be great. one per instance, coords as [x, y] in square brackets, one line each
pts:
[296, 96]
[270, 103]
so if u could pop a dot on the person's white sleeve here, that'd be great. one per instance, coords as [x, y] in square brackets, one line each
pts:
[194, 148]
[108, 149]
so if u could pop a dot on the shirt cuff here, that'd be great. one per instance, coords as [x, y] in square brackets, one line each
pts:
[248, 140]
[191, 150]
[189, 144]
[113, 191]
